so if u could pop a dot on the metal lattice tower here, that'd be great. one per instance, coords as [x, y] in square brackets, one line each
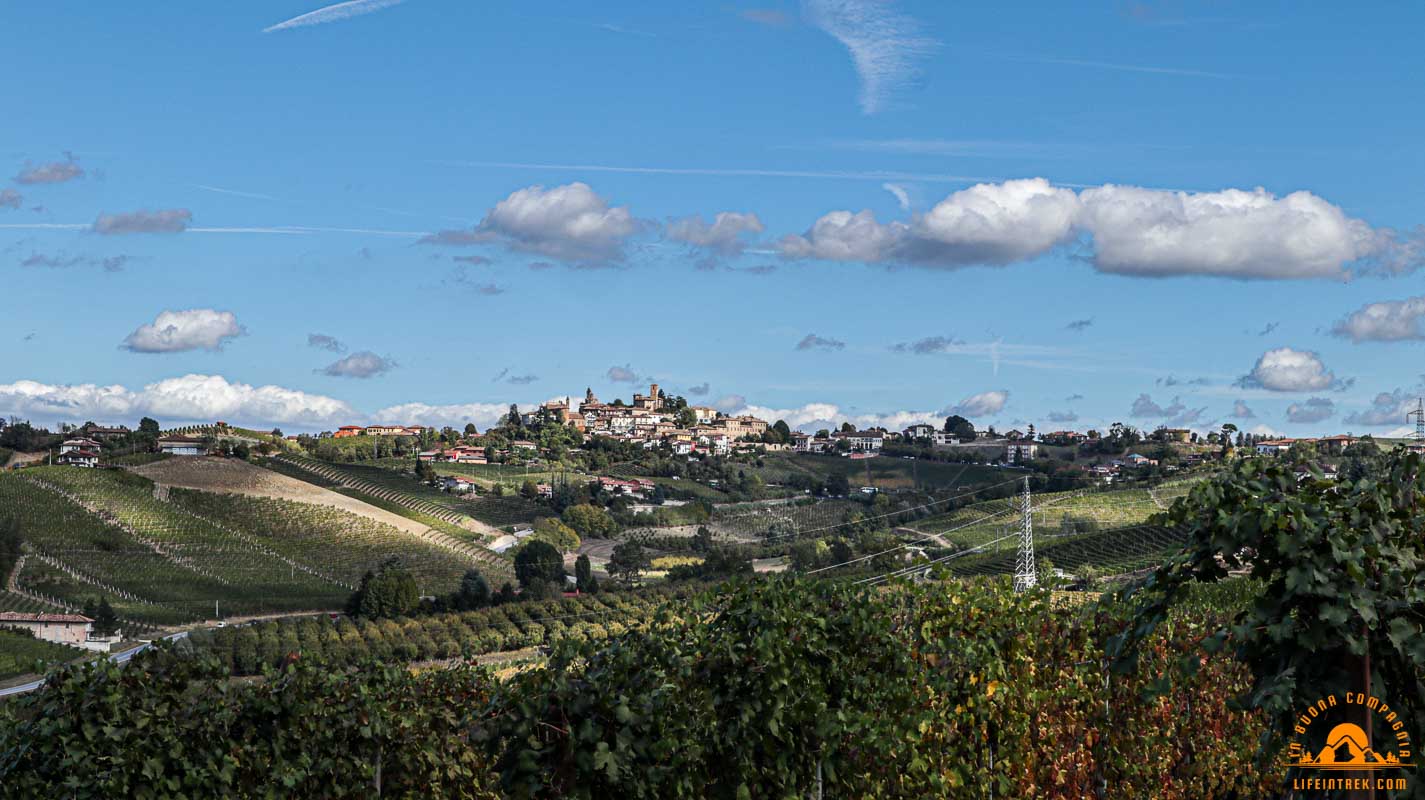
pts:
[1419, 414]
[1026, 575]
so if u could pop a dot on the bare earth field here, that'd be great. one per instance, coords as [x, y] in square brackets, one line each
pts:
[231, 476]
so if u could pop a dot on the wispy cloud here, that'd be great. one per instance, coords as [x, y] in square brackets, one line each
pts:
[332, 13]
[884, 44]
[233, 192]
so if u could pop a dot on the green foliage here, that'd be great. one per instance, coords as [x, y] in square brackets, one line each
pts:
[474, 592]
[1340, 607]
[555, 532]
[21, 653]
[390, 591]
[590, 521]
[584, 575]
[539, 562]
[175, 727]
[629, 560]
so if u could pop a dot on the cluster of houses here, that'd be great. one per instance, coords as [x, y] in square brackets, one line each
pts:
[348, 431]
[647, 421]
[84, 451]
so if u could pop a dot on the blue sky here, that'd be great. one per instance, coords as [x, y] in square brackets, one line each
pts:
[188, 194]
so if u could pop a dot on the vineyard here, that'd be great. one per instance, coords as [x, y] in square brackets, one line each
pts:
[935, 691]
[512, 626]
[1112, 551]
[1055, 513]
[19, 653]
[163, 557]
[390, 486]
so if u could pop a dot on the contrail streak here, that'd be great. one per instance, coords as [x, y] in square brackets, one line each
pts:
[332, 13]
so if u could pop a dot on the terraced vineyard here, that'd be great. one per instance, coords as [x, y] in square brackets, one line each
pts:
[344, 545]
[1055, 513]
[392, 486]
[1113, 551]
[164, 557]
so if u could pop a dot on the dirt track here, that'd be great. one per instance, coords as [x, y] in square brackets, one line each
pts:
[231, 476]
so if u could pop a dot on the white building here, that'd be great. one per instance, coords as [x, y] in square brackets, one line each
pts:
[919, 431]
[80, 458]
[943, 439]
[1020, 451]
[71, 445]
[71, 629]
[182, 446]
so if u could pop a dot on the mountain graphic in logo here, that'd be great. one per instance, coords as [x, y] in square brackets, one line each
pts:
[1347, 747]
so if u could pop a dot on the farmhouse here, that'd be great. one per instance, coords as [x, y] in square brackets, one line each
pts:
[80, 458]
[347, 431]
[70, 445]
[182, 446]
[70, 629]
[943, 439]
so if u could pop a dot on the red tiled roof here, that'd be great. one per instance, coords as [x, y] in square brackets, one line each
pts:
[16, 616]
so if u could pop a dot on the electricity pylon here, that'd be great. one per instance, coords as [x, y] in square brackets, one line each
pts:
[1026, 575]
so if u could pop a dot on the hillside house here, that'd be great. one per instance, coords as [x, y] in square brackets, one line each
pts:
[1335, 445]
[387, 430]
[348, 431]
[80, 458]
[1139, 460]
[919, 431]
[1272, 447]
[182, 446]
[861, 441]
[943, 439]
[70, 445]
[103, 432]
[1019, 451]
[71, 629]
[1181, 435]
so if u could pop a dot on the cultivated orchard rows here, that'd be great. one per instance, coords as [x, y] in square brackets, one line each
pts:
[512, 626]
[100, 533]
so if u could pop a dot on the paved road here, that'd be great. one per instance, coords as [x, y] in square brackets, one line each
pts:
[117, 658]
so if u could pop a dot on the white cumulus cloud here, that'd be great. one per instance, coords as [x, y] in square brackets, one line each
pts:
[1387, 321]
[177, 331]
[483, 415]
[1230, 233]
[1288, 370]
[989, 223]
[984, 404]
[570, 223]
[1130, 230]
[185, 399]
[725, 235]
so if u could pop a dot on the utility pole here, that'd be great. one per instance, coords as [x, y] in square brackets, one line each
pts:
[1025, 574]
